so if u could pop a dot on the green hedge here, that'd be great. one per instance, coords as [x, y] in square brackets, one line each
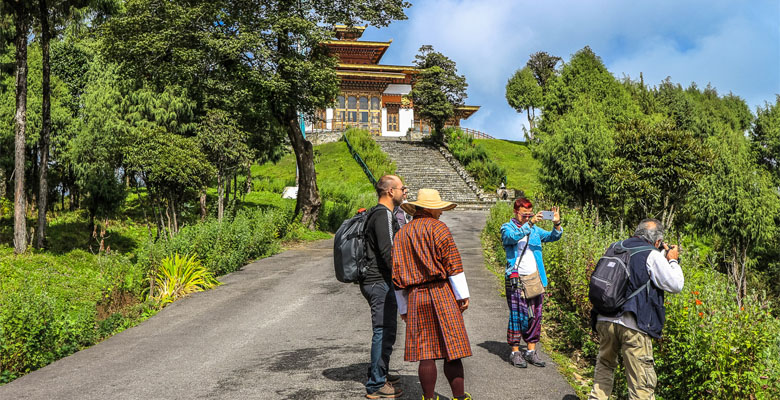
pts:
[710, 348]
[474, 158]
[223, 247]
[48, 305]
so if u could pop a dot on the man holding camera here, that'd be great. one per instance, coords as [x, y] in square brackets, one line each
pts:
[641, 317]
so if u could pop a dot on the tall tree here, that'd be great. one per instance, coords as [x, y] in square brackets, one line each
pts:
[543, 66]
[225, 145]
[302, 79]
[738, 202]
[523, 93]
[766, 137]
[438, 89]
[22, 16]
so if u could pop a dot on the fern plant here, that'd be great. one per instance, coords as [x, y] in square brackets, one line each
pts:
[179, 276]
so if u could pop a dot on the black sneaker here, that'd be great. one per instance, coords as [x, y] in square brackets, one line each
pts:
[533, 358]
[516, 359]
[392, 378]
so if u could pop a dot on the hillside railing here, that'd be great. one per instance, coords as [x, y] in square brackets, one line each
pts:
[359, 160]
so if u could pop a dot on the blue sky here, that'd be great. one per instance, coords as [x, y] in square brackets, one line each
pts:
[733, 45]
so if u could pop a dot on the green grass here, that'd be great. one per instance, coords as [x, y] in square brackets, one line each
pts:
[515, 157]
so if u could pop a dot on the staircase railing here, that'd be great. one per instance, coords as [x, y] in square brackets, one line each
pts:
[359, 160]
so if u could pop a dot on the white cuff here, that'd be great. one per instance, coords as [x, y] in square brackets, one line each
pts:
[401, 298]
[459, 286]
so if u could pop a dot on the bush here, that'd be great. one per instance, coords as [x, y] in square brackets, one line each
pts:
[223, 247]
[179, 276]
[710, 348]
[377, 161]
[48, 304]
[474, 158]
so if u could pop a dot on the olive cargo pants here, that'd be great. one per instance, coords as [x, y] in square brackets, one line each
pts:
[637, 350]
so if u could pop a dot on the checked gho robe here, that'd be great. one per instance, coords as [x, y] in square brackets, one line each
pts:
[424, 258]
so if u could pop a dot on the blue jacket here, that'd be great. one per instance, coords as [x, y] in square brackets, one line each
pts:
[511, 234]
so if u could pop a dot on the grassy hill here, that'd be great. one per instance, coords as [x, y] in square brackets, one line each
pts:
[515, 157]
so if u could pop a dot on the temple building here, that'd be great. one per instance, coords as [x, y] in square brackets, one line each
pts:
[373, 96]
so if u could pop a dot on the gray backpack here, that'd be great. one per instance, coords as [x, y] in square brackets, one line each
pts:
[349, 248]
[609, 282]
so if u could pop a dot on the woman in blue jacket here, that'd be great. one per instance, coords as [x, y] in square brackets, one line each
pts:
[522, 241]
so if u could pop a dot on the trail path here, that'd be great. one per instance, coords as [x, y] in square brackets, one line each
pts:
[284, 328]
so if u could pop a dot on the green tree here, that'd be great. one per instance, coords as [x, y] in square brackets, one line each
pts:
[438, 89]
[573, 157]
[585, 75]
[737, 202]
[543, 66]
[654, 167]
[172, 167]
[523, 93]
[301, 77]
[225, 145]
[95, 153]
[765, 137]
[21, 12]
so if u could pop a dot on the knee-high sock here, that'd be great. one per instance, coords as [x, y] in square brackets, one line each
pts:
[427, 374]
[453, 370]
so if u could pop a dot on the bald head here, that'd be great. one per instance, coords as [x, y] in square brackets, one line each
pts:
[385, 183]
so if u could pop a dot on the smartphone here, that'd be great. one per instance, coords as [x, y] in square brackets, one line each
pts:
[548, 215]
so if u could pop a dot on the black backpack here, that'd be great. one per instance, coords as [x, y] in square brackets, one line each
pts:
[349, 248]
[609, 282]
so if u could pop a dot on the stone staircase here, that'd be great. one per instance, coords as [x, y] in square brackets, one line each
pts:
[425, 166]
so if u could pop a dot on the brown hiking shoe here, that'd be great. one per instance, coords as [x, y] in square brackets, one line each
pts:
[533, 358]
[388, 391]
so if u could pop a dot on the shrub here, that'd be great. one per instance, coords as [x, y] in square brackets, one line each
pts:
[179, 276]
[224, 247]
[48, 304]
[377, 161]
[474, 158]
[710, 348]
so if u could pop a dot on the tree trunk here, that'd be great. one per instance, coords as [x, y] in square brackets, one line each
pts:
[248, 177]
[43, 186]
[175, 220]
[203, 204]
[220, 196]
[226, 184]
[2, 183]
[308, 202]
[20, 40]
[529, 114]
[235, 186]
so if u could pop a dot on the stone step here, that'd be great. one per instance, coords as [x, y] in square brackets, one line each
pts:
[424, 166]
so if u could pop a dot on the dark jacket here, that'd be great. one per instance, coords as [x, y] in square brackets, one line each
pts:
[380, 229]
[648, 305]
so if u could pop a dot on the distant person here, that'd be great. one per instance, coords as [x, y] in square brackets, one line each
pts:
[375, 287]
[400, 215]
[642, 317]
[501, 192]
[432, 294]
[522, 241]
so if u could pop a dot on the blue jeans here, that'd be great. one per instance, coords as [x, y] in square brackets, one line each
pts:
[384, 312]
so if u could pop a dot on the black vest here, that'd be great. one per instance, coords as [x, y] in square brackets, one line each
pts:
[648, 305]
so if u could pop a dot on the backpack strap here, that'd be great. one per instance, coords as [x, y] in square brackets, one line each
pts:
[632, 251]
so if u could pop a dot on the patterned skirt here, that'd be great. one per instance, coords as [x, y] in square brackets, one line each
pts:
[434, 324]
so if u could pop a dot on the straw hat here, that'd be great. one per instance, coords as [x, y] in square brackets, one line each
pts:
[428, 198]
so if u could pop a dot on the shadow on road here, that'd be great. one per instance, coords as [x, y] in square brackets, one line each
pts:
[500, 349]
[354, 372]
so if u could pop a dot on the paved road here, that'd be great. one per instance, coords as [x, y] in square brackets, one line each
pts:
[284, 328]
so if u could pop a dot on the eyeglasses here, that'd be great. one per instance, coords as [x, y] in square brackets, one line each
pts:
[403, 188]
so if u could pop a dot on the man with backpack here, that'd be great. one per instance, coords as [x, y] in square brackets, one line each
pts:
[376, 286]
[627, 321]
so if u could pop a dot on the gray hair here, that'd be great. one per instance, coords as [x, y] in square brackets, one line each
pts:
[650, 229]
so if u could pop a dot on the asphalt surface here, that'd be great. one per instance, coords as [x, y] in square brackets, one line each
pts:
[284, 328]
